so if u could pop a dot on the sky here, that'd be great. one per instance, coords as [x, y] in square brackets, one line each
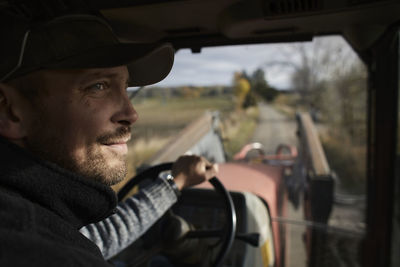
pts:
[216, 65]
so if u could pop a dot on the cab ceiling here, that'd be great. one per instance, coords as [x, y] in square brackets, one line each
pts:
[199, 23]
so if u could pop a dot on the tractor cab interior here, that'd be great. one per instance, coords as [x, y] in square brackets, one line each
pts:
[244, 218]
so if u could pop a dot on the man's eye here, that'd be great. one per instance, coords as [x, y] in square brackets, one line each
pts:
[98, 86]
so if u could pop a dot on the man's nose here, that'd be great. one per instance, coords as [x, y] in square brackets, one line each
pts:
[127, 115]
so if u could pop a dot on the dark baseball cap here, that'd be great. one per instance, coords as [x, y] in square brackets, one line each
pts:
[77, 42]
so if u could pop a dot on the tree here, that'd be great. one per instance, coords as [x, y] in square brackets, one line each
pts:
[241, 87]
[329, 78]
[348, 92]
[191, 92]
[309, 65]
[260, 85]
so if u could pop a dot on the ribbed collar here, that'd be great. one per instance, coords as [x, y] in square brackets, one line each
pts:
[78, 200]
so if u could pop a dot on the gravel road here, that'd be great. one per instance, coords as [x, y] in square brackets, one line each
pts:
[275, 128]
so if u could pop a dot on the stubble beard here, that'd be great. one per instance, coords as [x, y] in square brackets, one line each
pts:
[94, 166]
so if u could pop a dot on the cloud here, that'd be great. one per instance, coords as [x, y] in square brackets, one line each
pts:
[216, 65]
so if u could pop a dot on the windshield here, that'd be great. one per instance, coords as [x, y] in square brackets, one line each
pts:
[310, 97]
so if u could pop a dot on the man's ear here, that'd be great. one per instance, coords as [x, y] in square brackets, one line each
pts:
[11, 126]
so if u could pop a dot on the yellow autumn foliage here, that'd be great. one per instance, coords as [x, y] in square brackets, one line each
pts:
[241, 88]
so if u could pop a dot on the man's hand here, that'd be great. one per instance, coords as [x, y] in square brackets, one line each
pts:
[192, 170]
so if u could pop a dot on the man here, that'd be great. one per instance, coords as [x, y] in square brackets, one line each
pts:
[65, 121]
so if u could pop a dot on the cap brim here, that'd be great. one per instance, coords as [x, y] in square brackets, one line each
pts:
[147, 64]
[152, 67]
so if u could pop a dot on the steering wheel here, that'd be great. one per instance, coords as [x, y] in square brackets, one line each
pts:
[226, 235]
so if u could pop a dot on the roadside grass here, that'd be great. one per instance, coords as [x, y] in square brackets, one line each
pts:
[238, 129]
[286, 104]
[346, 157]
[160, 120]
[348, 161]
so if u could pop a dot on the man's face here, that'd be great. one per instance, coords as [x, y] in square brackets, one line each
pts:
[82, 122]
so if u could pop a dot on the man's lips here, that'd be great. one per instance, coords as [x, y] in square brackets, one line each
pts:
[119, 146]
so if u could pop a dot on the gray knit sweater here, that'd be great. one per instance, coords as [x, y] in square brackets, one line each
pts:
[132, 218]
